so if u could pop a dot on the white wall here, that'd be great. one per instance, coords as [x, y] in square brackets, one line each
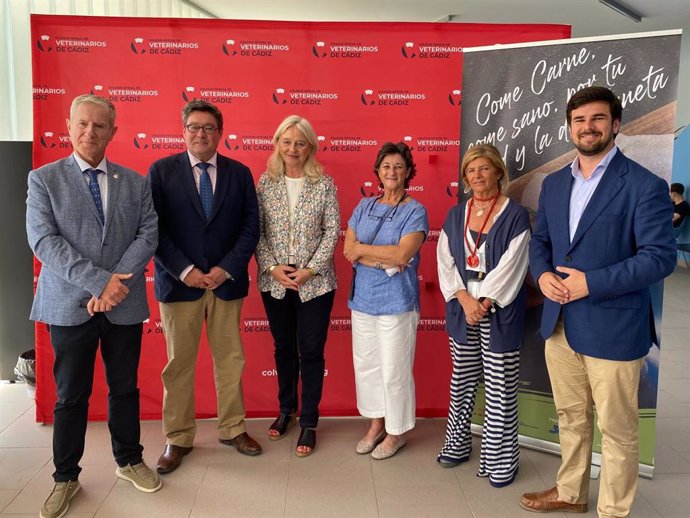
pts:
[15, 47]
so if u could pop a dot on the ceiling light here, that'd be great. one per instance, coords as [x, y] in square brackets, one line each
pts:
[621, 9]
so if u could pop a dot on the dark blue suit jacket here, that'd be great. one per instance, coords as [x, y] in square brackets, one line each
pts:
[624, 243]
[227, 240]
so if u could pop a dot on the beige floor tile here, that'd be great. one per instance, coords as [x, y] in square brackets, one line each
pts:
[404, 500]
[10, 411]
[70, 514]
[170, 502]
[25, 432]
[6, 496]
[667, 494]
[545, 466]
[20, 465]
[14, 392]
[325, 499]
[224, 512]
[245, 485]
[669, 461]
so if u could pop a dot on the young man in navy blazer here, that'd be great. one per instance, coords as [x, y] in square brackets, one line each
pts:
[92, 225]
[603, 236]
[209, 227]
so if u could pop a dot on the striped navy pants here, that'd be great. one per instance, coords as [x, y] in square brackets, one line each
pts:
[499, 454]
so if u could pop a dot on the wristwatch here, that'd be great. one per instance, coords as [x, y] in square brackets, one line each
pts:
[228, 277]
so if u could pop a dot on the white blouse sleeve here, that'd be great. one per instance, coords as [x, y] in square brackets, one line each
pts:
[449, 279]
[503, 283]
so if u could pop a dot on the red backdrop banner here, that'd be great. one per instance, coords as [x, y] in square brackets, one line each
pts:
[360, 85]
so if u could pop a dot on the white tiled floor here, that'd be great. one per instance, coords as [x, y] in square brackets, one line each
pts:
[215, 481]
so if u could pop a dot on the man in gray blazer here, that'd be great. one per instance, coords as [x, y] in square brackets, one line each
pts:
[92, 225]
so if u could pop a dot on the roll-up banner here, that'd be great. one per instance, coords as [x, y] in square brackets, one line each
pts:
[515, 98]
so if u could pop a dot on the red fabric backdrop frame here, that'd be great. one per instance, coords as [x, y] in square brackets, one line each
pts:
[360, 84]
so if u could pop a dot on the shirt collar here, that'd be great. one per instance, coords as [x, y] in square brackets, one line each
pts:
[598, 170]
[194, 160]
[83, 165]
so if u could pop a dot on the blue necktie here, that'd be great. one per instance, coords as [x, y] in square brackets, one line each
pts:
[205, 190]
[96, 192]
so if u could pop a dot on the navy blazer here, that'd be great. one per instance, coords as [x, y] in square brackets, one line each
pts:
[624, 243]
[227, 240]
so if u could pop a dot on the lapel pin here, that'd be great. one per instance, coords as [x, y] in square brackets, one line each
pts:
[116, 176]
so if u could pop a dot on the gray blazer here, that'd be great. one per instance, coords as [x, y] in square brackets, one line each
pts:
[78, 253]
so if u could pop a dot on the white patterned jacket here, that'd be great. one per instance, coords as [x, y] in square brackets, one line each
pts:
[317, 228]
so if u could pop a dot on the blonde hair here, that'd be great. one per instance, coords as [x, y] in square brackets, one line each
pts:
[491, 153]
[276, 166]
[93, 99]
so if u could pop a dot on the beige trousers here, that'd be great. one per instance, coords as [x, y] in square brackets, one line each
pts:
[182, 323]
[578, 382]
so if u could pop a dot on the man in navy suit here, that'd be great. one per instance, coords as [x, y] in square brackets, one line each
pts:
[603, 236]
[92, 225]
[208, 229]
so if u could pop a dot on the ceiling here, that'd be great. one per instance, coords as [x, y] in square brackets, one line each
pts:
[587, 17]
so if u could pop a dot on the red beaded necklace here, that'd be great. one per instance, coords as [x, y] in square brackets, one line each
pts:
[472, 259]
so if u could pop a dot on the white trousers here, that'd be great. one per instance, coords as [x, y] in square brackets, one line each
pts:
[383, 355]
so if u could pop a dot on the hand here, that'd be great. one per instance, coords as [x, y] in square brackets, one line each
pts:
[215, 278]
[115, 291]
[96, 305]
[351, 253]
[575, 283]
[300, 276]
[487, 304]
[474, 311]
[195, 279]
[553, 288]
[280, 274]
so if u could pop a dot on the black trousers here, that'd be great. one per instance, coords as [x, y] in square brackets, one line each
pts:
[299, 330]
[75, 355]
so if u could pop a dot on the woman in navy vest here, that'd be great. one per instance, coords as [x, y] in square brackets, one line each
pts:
[482, 262]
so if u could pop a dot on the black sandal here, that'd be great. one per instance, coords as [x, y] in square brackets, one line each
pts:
[281, 425]
[307, 437]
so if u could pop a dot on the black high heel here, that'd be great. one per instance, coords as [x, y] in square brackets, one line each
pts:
[307, 437]
[281, 425]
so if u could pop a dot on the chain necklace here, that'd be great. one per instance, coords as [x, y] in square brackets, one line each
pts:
[473, 259]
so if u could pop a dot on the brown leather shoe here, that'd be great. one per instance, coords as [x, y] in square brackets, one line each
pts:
[172, 458]
[547, 502]
[243, 444]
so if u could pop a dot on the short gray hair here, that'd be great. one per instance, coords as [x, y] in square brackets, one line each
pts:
[94, 99]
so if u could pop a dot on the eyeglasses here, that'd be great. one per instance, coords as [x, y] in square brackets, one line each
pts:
[389, 215]
[194, 128]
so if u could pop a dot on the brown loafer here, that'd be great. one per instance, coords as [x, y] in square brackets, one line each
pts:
[547, 502]
[243, 444]
[172, 458]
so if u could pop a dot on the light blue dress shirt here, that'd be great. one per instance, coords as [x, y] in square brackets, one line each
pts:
[583, 189]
